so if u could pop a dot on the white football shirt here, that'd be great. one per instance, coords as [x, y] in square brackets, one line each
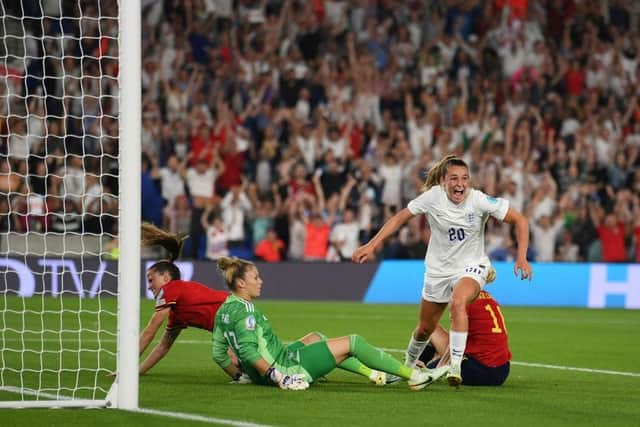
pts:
[457, 231]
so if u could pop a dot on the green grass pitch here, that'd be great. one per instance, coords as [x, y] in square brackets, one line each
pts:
[188, 382]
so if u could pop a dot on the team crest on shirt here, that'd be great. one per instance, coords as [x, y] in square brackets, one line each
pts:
[492, 200]
[471, 217]
[250, 323]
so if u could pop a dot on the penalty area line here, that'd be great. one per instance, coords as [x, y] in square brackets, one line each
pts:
[194, 417]
[573, 368]
[558, 367]
[390, 350]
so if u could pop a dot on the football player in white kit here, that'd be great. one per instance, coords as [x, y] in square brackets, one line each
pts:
[456, 263]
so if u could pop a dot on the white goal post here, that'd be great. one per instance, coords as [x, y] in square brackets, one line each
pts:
[126, 396]
[70, 124]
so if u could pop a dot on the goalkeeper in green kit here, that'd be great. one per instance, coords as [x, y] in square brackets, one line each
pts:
[241, 326]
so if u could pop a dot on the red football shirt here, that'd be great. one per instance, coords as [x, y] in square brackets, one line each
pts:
[317, 241]
[487, 340]
[191, 303]
[612, 239]
[269, 251]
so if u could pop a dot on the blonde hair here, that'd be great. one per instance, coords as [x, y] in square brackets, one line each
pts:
[439, 170]
[233, 268]
[173, 243]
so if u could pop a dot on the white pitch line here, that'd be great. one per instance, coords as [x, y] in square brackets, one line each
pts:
[179, 415]
[390, 350]
[559, 367]
[201, 418]
[572, 368]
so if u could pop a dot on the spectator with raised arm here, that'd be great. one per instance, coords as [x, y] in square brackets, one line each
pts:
[201, 179]
[611, 233]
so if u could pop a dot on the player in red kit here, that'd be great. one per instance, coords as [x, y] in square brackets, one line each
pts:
[183, 303]
[487, 355]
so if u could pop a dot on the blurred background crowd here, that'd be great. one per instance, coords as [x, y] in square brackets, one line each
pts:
[291, 130]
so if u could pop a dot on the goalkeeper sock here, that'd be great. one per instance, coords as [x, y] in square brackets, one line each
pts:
[375, 358]
[352, 364]
[414, 350]
[457, 344]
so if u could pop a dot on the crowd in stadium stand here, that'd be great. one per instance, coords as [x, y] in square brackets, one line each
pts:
[292, 129]
[59, 117]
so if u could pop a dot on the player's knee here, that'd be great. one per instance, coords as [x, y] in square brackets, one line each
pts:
[318, 336]
[313, 337]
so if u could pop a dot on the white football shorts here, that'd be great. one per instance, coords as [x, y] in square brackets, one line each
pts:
[439, 289]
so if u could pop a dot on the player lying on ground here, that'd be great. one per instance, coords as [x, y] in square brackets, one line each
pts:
[487, 355]
[242, 327]
[183, 303]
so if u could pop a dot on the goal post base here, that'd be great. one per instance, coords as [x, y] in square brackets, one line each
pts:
[112, 395]
[48, 400]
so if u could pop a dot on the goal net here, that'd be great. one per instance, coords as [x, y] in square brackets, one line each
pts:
[68, 324]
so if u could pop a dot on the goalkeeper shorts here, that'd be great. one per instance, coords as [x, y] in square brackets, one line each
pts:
[313, 360]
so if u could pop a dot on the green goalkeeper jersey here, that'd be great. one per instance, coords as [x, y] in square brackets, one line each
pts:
[243, 327]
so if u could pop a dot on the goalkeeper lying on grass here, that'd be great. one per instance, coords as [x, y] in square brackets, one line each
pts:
[263, 357]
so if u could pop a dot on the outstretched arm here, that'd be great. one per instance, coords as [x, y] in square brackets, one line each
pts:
[160, 350]
[152, 327]
[519, 221]
[365, 252]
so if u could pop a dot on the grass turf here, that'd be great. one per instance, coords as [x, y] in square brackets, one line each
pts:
[186, 381]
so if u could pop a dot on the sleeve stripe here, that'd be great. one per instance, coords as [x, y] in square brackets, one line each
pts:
[165, 305]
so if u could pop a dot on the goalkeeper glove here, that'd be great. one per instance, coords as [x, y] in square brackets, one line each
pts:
[287, 382]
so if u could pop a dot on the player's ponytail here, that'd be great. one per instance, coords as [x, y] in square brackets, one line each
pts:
[233, 268]
[439, 170]
[173, 243]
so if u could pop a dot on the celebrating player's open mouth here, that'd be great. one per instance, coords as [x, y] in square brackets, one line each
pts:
[458, 194]
[455, 183]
